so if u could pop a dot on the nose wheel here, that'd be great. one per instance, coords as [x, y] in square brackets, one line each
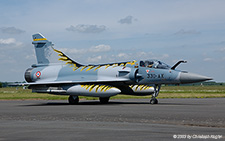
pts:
[153, 100]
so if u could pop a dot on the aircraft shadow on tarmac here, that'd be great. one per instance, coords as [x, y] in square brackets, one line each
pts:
[84, 103]
[110, 103]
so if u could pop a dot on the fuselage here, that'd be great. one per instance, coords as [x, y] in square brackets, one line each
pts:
[129, 74]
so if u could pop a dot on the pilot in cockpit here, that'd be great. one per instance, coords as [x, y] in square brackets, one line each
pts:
[154, 64]
[149, 64]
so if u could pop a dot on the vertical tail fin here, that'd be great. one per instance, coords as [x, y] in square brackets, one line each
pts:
[43, 48]
[46, 54]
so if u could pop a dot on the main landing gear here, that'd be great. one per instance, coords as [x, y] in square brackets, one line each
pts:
[73, 100]
[156, 93]
[104, 100]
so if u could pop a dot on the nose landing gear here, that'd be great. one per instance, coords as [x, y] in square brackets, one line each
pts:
[153, 100]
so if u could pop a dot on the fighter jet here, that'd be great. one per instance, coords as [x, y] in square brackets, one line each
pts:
[56, 73]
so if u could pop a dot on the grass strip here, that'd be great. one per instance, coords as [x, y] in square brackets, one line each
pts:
[166, 92]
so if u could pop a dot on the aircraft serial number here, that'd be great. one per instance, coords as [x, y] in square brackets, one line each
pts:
[155, 75]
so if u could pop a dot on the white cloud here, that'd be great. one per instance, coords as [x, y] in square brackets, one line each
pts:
[122, 55]
[140, 55]
[96, 59]
[11, 30]
[73, 50]
[100, 48]
[207, 59]
[93, 49]
[164, 56]
[9, 43]
[82, 28]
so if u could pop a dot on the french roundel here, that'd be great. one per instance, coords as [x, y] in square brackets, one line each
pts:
[38, 74]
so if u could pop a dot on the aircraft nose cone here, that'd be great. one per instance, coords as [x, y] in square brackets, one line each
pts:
[186, 77]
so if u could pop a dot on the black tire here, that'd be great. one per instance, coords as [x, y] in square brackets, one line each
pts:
[73, 100]
[104, 100]
[154, 101]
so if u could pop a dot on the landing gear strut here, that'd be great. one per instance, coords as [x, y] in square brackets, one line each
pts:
[73, 100]
[156, 93]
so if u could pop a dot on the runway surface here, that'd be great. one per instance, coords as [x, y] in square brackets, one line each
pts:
[128, 119]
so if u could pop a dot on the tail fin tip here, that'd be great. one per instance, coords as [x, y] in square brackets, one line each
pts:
[38, 37]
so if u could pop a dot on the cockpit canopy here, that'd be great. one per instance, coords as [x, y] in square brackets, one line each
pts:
[154, 64]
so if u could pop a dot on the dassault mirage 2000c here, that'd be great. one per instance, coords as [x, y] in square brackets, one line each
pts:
[68, 77]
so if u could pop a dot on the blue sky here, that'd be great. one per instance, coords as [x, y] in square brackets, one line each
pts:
[101, 31]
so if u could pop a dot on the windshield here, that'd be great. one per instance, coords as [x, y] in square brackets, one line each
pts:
[154, 64]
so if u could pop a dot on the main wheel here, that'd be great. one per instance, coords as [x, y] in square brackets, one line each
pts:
[153, 101]
[104, 100]
[73, 100]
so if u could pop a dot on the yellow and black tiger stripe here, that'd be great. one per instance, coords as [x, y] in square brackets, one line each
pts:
[141, 87]
[91, 87]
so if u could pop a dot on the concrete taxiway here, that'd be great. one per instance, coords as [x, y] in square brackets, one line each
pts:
[128, 119]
